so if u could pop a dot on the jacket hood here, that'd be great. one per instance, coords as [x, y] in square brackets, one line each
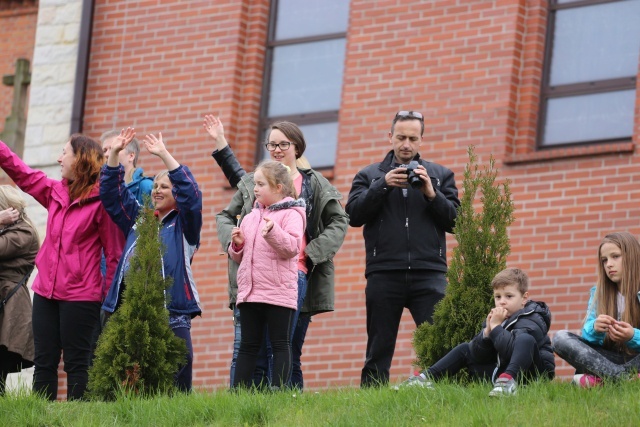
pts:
[533, 307]
[286, 203]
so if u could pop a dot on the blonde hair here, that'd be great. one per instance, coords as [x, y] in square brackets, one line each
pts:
[606, 295]
[10, 197]
[303, 163]
[276, 173]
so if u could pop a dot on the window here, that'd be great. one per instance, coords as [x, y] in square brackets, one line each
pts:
[591, 63]
[304, 67]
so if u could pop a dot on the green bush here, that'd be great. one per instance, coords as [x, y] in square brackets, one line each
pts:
[137, 351]
[483, 246]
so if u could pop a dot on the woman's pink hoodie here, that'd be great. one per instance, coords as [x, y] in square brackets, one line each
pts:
[68, 262]
[268, 271]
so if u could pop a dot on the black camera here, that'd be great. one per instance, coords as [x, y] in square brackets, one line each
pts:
[413, 179]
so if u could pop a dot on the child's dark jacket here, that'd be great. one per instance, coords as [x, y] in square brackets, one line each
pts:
[533, 319]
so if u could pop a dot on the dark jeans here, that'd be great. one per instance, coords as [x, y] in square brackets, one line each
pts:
[181, 327]
[458, 358]
[279, 321]
[593, 359]
[62, 327]
[387, 294]
[525, 362]
[264, 365]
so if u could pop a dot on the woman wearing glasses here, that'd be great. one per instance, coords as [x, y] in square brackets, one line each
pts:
[326, 228]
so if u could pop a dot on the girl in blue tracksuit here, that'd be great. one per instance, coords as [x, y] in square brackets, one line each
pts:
[178, 204]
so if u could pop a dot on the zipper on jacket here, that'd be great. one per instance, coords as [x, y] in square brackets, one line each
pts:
[378, 237]
[406, 227]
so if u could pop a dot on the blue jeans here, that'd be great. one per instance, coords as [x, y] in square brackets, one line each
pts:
[264, 366]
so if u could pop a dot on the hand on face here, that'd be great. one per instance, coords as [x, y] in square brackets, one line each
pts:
[498, 314]
[9, 216]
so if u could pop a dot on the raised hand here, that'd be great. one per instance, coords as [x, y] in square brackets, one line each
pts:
[121, 141]
[215, 129]
[155, 146]
[125, 137]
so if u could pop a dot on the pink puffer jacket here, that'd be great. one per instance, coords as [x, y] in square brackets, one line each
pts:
[268, 271]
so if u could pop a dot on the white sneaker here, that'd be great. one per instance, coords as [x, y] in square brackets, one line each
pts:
[503, 387]
[419, 380]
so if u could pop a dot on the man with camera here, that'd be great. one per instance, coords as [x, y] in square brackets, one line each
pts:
[406, 205]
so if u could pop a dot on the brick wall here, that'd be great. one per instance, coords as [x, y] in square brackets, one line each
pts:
[472, 67]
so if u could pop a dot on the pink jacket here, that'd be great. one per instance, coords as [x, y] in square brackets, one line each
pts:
[268, 271]
[69, 260]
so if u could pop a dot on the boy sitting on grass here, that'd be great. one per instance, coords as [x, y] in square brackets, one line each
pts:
[512, 345]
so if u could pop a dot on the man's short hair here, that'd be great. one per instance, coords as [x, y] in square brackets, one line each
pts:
[511, 276]
[133, 147]
[404, 118]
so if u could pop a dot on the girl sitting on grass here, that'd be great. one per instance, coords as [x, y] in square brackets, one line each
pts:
[610, 341]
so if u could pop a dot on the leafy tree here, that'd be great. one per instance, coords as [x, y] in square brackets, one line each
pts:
[137, 351]
[483, 246]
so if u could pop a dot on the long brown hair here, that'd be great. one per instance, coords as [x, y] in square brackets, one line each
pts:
[86, 169]
[606, 296]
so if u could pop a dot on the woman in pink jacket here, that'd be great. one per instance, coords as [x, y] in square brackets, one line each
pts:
[69, 286]
[266, 245]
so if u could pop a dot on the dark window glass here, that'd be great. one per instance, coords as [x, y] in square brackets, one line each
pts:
[304, 72]
[588, 92]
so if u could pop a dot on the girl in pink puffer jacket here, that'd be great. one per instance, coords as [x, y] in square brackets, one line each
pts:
[267, 245]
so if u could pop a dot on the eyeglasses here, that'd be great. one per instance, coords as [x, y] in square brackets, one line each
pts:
[409, 114]
[282, 145]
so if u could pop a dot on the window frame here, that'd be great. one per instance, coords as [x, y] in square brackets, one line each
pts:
[548, 92]
[320, 117]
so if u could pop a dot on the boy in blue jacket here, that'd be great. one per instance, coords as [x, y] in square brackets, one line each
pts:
[512, 346]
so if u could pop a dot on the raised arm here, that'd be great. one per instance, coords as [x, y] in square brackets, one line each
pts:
[222, 154]
[31, 181]
[189, 201]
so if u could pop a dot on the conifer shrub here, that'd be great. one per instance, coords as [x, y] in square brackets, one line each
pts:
[483, 246]
[137, 351]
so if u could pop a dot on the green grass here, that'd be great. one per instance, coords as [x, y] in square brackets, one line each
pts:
[544, 404]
